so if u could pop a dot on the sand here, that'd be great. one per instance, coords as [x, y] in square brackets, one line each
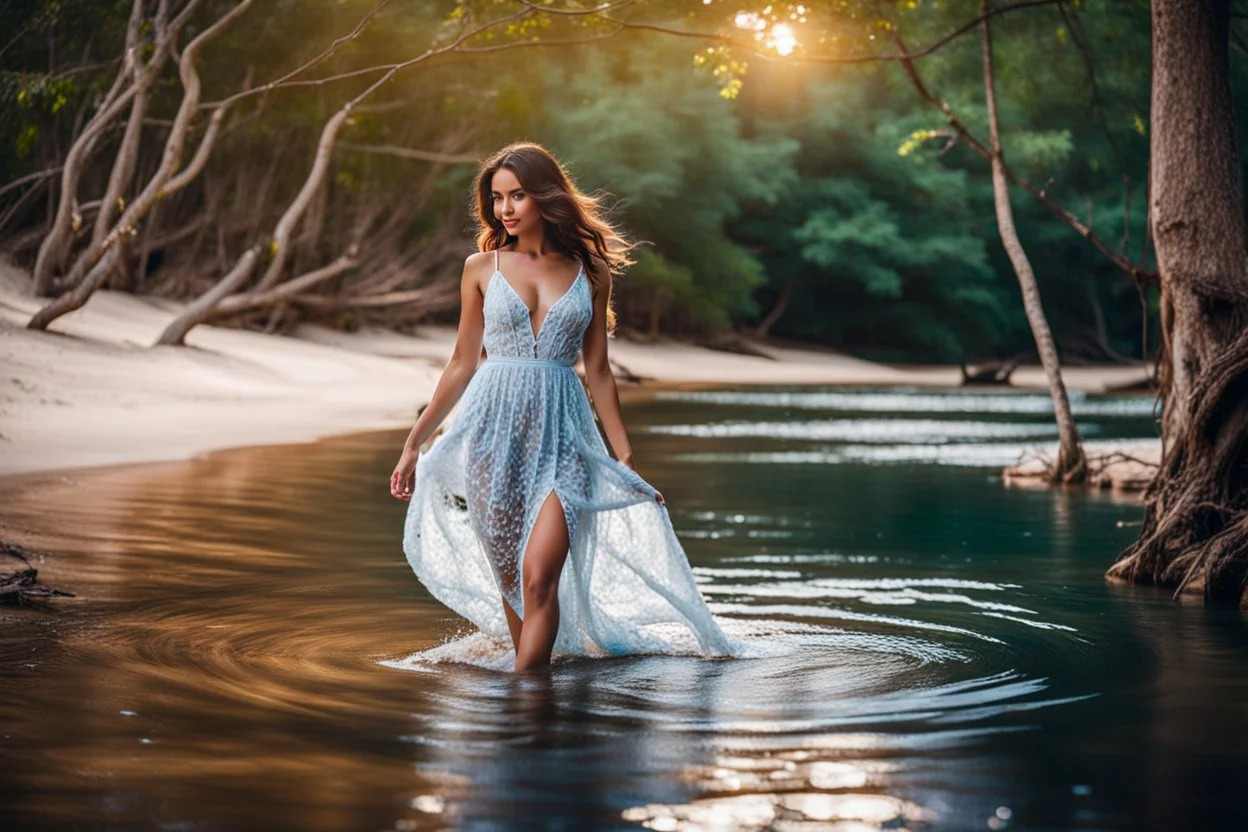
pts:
[93, 392]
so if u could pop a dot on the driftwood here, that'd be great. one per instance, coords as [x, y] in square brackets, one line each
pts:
[990, 372]
[1113, 469]
[21, 585]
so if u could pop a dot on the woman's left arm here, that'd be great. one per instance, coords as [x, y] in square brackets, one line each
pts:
[598, 376]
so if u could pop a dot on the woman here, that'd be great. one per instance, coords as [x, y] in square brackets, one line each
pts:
[519, 497]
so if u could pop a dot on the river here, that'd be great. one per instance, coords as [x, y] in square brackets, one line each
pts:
[248, 649]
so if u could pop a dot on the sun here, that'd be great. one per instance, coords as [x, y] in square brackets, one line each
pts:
[783, 39]
[780, 37]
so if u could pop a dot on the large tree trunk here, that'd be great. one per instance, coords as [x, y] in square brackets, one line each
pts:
[1195, 532]
[1071, 465]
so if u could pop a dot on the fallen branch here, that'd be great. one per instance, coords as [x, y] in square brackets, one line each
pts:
[287, 291]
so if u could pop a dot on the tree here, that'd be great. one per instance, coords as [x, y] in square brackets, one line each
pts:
[1070, 465]
[1194, 537]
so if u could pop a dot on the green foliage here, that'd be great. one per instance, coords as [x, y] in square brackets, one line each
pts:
[747, 176]
[681, 172]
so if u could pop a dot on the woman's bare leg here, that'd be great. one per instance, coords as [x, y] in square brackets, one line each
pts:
[543, 563]
[514, 624]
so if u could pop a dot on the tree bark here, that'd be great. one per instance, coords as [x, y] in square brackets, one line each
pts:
[128, 153]
[1071, 465]
[1194, 537]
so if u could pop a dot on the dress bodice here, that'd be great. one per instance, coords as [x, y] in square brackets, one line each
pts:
[509, 329]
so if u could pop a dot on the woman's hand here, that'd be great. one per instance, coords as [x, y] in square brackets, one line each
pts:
[628, 460]
[404, 477]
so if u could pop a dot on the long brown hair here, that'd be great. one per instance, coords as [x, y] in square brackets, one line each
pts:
[573, 219]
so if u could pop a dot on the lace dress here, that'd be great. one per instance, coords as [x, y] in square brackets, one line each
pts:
[522, 430]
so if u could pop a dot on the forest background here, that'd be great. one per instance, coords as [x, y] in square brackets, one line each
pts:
[826, 203]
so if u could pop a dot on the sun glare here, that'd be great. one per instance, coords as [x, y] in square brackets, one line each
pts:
[779, 37]
[783, 38]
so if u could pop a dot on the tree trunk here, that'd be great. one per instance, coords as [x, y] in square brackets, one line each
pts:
[778, 308]
[1195, 531]
[1071, 465]
[55, 249]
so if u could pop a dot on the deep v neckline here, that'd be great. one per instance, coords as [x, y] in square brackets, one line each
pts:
[536, 333]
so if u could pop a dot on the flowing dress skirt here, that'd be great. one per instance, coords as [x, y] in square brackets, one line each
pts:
[523, 430]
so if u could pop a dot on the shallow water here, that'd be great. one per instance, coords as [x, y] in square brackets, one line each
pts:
[936, 651]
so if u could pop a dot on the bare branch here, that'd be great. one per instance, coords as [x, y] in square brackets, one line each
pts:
[329, 51]
[435, 296]
[54, 249]
[200, 159]
[904, 55]
[286, 82]
[288, 290]
[411, 153]
[198, 312]
[86, 264]
[1136, 272]
[75, 298]
[30, 177]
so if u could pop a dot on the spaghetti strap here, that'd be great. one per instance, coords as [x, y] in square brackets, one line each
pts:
[495, 259]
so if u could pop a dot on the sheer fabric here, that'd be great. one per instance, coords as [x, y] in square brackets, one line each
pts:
[522, 431]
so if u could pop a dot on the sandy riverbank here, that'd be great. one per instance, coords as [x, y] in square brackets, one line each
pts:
[93, 392]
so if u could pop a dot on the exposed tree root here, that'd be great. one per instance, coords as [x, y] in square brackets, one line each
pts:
[1195, 531]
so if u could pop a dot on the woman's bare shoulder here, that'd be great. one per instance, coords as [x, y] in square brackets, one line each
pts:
[478, 269]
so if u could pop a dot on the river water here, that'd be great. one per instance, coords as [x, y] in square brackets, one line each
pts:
[249, 650]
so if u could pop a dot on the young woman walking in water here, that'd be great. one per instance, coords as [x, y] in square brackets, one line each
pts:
[519, 520]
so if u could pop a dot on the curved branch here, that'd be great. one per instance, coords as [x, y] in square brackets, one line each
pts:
[430, 296]
[1123, 262]
[288, 290]
[125, 226]
[54, 249]
[411, 153]
[31, 177]
[199, 311]
[76, 297]
[905, 55]
[200, 159]
[285, 81]
[278, 246]
[329, 51]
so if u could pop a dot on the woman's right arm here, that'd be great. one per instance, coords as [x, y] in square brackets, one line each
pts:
[454, 380]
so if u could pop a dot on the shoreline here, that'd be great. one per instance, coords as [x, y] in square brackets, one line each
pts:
[92, 393]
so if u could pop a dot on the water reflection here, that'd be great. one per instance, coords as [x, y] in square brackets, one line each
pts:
[248, 650]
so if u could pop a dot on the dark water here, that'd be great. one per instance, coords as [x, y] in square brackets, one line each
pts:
[939, 651]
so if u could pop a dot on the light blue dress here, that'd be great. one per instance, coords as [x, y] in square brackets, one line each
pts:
[524, 429]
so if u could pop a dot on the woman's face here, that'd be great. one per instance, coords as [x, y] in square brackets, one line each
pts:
[512, 206]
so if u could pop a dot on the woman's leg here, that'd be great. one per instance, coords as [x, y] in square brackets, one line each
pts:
[543, 564]
[514, 624]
